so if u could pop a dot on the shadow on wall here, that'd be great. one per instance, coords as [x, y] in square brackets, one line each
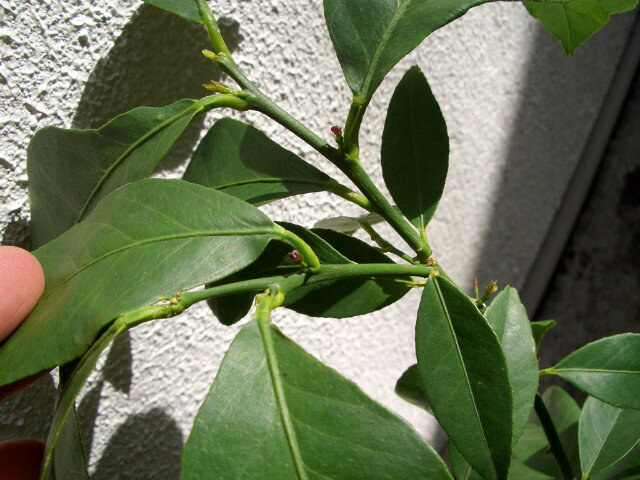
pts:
[156, 61]
[553, 121]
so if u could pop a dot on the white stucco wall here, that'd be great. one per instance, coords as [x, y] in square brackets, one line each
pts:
[518, 113]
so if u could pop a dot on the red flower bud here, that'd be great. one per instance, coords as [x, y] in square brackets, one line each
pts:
[336, 130]
[295, 256]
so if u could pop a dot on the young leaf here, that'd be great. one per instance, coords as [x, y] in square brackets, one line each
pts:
[69, 456]
[540, 330]
[575, 21]
[509, 320]
[240, 160]
[608, 369]
[409, 387]
[149, 239]
[465, 377]
[187, 9]
[349, 297]
[532, 459]
[415, 149]
[71, 170]
[606, 435]
[275, 412]
[371, 36]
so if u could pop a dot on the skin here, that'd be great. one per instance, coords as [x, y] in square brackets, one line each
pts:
[21, 286]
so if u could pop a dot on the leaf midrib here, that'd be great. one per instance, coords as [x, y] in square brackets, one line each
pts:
[206, 233]
[461, 359]
[280, 397]
[604, 440]
[393, 22]
[274, 180]
[595, 370]
[195, 107]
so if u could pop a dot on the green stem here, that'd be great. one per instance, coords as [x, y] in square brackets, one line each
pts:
[555, 444]
[213, 30]
[347, 162]
[384, 244]
[265, 304]
[352, 125]
[309, 257]
[338, 189]
[364, 183]
[224, 100]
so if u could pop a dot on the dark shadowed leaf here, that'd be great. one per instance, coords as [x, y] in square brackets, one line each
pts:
[70, 460]
[149, 239]
[415, 149]
[371, 36]
[575, 21]
[409, 387]
[509, 320]
[540, 330]
[628, 468]
[465, 377]
[608, 369]
[606, 434]
[272, 402]
[349, 297]
[71, 170]
[187, 9]
[240, 160]
[532, 459]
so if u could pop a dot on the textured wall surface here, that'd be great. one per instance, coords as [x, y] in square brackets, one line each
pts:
[518, 113]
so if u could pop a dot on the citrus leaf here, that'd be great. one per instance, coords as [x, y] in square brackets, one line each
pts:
[465, 377]
[409, 387]
[187, 9]
[148, 239]
[415, 149]
[540, 330]
[371, 36]
[606, 434]
[509, 320]
[275, 412]
[240, 160]
[573, 22]
[71, 170]
[608, 369]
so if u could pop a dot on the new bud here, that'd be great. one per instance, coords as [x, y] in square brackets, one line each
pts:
[295, 256]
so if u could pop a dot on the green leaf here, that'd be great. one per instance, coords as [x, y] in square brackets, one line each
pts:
[532, 459]
[628, 468]
[149, 239]
[509, 320]
[608, 369]
[187, 9]
[540, 330]
[275, 412]
[371, 36]
[606, 435]
[70, 461]
[240, 160]
[71, 170]
[575, 21]
[348, 297]
[409, 387]
[415, 149]
[349, 225]
[60, 432]
[465, 377]
[461, 469]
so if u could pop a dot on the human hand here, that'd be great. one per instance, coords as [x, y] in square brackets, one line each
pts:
[21, 285]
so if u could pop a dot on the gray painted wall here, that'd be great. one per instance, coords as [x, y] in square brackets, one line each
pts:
[518, 111]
